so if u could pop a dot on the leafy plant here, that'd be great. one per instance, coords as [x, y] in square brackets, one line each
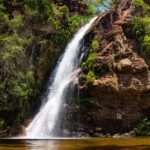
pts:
[90, 77]
[90, 59]
[95, 43]
[141, 28]
[143, 128]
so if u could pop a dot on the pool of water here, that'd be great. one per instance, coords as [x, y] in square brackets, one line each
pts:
[76, 144]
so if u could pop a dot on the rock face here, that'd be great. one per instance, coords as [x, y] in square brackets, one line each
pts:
[118, 98]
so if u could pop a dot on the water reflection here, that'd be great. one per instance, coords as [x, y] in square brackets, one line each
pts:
[41, 145]
[77, 144]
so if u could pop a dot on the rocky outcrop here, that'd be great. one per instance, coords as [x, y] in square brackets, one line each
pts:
[118, 98]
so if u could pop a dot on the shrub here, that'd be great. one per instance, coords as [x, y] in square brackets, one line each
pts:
[95, 44]
[90, 77]
[141, 27]
[90, 59]
[138, 28]
[12, 45]
[143, 128]
[146, 46]
[91, 9]
[42, 7]
[16, 22]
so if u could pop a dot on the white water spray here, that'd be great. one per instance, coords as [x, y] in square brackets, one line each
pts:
[43, 125]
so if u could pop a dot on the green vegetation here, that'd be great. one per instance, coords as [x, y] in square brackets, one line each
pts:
[143, 129]
[142, 6]
[90, 60]
[90, 77]
[94, 67]
[141, 27]
[91, 9]
[95, 43]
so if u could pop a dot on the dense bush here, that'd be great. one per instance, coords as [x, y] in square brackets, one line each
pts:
[90, 77]
[143, 128]
[141, 27]
[16, 77]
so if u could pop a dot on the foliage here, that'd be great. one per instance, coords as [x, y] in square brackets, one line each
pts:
[12, 46]
[141, 27]
[16, 22]
[91, 9]
[2, 8]
[41, 8]
[17, 79]
[138, 27]
[142, 6]
[21, 87]
[90, 60]
[143, 129]
[75, 21]
[138, 3]
[90, 77]
[95, 43]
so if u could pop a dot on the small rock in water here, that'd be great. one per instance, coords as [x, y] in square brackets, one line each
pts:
[126, 135]
[117, 135]
[98, 129]
[132, 133]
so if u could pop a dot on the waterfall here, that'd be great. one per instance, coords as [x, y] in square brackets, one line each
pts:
[43, 125]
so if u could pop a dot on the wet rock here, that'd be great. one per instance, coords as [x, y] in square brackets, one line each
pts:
[117, 135]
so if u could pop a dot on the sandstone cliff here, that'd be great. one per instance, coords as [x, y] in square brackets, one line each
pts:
[114, 87]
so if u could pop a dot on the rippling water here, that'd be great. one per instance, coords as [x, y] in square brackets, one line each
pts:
[77, 144]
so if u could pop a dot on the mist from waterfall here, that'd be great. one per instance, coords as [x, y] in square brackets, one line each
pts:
[43, 125]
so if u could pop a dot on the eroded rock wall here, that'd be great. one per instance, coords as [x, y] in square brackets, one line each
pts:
[114, 87]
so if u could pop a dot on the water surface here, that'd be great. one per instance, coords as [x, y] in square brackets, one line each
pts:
[77, 144]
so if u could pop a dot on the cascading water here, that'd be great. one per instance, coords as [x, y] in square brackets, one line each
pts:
[43, 125]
